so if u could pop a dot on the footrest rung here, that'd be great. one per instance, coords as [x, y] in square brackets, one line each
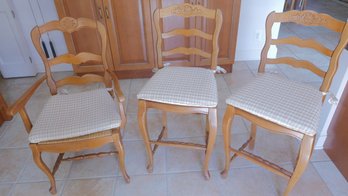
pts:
[88, 156]
[179, 144]
[263, 163]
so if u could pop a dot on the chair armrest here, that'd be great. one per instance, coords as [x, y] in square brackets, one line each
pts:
[22, 101]
[117, 87]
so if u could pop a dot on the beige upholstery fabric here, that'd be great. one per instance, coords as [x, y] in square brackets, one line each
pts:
[74, 115]
[76, 139]
[184, 86]
[288, 103]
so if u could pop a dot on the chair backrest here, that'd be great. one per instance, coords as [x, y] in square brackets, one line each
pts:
[70, 25]
[187, 10]
[306, 18]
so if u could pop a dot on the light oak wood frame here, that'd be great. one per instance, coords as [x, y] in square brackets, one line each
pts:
[183, 10]
[80, 143]
[306, 18]
[187, 10]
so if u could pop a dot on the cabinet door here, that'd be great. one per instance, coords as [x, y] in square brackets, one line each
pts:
[228, 35]
[170, 23]
[129, 27]
[85, 40]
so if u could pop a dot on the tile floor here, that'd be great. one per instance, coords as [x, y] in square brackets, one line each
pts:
[176, 171]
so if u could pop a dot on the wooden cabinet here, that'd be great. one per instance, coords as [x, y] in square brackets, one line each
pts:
[228, 35]
[132, 35]
[129, 27]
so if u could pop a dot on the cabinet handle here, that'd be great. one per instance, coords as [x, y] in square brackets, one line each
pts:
[45, 49]
[100, 12]
[107, 12]
[53, 50]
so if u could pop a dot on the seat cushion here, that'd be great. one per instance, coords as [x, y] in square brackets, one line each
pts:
[74, 115]
[294, 105]
[184, 86]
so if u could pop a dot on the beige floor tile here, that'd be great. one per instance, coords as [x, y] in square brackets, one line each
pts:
[86, 187]
[319, 155]
[32, 173]
[35, 189]
[237, 127]
[125, 85]
[5, 189]
[136, 158]
[97, 167]
[332, 177]
[12, 162]
[142, 186]
[240, 65]
[15, 135]
[218, 157]
[136, 85]
[300, 75]
[186, 160]
[194, 183]
[248, 181]
[275, 147]
[220, 81]
[154, 125]
[309, 184]
[185, 125]
[237, 79]
[132, 104]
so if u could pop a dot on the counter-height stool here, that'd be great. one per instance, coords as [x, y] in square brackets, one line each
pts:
[187, 90]
[280, 105]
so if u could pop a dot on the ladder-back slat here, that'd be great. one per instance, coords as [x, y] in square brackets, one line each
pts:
[306, 18]
[188, 10]
[78, 80]
[187, 33]
[186, 51]
[80, 58]
[298, 64]
[308, 43]
[70, 25]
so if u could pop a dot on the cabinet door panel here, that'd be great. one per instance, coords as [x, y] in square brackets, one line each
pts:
[129, 25]
[85, 40]
[228, 34]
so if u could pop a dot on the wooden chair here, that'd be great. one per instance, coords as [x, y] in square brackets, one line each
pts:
[78, 121]
[188, 90]
[282, 106]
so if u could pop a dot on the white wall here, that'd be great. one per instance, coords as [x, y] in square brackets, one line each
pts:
[253, 15]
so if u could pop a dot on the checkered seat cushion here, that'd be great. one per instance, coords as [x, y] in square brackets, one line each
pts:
[291, 104]
[184, 86]
[74, 115]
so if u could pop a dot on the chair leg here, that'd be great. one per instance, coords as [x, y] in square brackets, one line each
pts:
[121, 155]
[164, 124]
[226, 127]
[39, 162]
[305, 153]
[142, 120]
[253, 136]
[212, 117]
[206, 129]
